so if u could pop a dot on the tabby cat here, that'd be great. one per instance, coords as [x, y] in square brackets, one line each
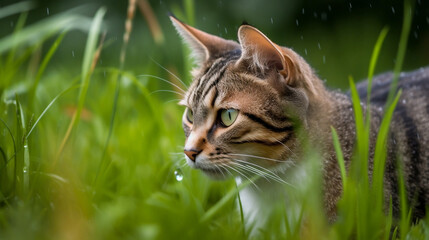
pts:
[248, 100]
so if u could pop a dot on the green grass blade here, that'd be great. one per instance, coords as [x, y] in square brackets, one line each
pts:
[373, 61]
[340, 157]
[380, 151]
[402, 48]
[49, 106]
[16, 8]
[20, 160]
[43, 30]
[225, 199]
[42, 67]
[90, 49]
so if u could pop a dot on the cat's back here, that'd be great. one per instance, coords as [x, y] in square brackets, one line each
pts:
[409, 134]
[414, 85]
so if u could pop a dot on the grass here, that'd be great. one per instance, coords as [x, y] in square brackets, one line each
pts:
[91, 154]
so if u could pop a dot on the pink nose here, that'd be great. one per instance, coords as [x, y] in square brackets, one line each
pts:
[192, 154]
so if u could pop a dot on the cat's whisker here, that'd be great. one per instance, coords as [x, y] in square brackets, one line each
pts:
[163, 79]
[287, 148]
[255, 171]
[244, 175]
[255, 157]
[264, 171]
[226, 169]
[171, 91]
[174, 75]
[220, 170]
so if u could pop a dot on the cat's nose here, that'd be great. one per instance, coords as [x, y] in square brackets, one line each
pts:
[192, 154]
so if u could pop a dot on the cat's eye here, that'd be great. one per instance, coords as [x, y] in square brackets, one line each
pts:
[189, 115]
[228, 116]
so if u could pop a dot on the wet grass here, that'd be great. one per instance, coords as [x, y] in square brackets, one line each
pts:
[96, 154]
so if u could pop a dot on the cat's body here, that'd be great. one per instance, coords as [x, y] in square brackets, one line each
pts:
[251, 102]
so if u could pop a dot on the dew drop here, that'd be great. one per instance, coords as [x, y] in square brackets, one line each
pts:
[178, 174]
[24, 169]
[47, 11]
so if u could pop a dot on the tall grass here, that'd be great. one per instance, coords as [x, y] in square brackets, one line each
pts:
[62, 130]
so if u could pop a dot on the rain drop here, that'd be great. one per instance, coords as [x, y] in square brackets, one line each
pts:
[324, 59]
[350, 7]
[47, 11]
[416, 35]
[318, 45]
[370, 5]
[226, 30]
[11, 24]
[302, 37]
[315, 14]
[303, 11]
[305, 50]
[72, 53]
[178, 174]
[329, 8]
[393, 10]
[272, 21]
[297, 23]
[427, 20]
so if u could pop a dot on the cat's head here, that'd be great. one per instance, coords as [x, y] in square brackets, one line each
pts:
[245, 103]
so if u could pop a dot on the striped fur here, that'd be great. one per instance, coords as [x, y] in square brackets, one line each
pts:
[279, 98]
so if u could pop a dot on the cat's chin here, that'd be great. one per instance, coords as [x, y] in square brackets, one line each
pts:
[215, 174]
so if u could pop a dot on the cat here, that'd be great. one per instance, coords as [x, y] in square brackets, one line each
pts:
[248, 99]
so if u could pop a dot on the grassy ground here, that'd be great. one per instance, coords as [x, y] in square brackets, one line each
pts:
[95, 153]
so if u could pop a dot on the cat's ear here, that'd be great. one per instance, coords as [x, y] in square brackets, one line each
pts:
[204, 46]
[259, 52]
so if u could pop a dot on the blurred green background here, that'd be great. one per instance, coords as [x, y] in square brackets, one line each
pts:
[126, 178]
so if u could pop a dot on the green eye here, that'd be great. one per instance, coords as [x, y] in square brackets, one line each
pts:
[228, 116]
[189, 115]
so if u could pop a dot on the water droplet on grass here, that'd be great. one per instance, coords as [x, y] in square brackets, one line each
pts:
[178, 174]
[24, 169]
